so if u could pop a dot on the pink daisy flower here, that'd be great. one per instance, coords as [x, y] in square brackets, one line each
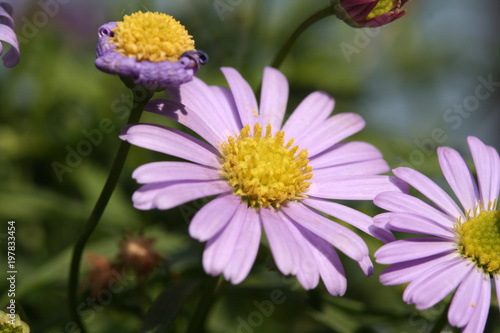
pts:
[463, 249]
[262, 179]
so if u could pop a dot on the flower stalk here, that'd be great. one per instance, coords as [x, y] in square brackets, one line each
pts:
[141, 96]
[283, 51]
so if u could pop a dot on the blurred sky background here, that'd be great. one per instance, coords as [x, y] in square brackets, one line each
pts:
[407, 79]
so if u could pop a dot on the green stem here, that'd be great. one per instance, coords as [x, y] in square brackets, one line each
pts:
[141, 96]
[283, 51]
[211, 289]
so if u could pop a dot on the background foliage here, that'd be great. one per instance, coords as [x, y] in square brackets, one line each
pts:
[406, 79]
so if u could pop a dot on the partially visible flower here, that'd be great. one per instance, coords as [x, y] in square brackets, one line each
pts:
[368, 13]
[100, 274]
[7, 34]
[261, 179]
[138, 254]
[463, 249]
[152, 49]
[12, 323]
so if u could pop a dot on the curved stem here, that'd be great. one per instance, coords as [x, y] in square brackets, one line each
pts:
[141, 96]
[283, 51]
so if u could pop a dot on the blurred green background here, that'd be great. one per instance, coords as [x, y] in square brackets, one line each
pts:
[414, 81]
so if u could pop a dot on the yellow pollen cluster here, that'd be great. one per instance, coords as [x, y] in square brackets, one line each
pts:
[262, 169]
[152, 37]
[382, 7]
[479, 239]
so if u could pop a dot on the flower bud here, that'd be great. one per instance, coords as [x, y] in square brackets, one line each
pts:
[368, 13]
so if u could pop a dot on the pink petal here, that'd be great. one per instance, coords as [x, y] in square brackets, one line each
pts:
[416, 224]
[197, 96]
[178, 194]
[366, 265]
[156, 172]
[11, 58]
[495, 179]
[7, 34]
[428, 188]
[431, 287]
[219, 249]
[330, 268]
[382, 220]
[354, 187]
[487, 163]
[172, 142]
[345, 153]
[330, 132]
[312, 111]
[6, 15]
[459, 177]
[328, 262]
[339, 236]
[228, 109]
[246, 248]
[480, 315]
[404, 203]
[214, 216]
[286, 251]
[211, 131]
[413, 248]
[171, 194]
[273, 99]
[466, 298]
[243, 96]
[308, 271]
[407, 271]
[353, 217]
[363, 168]
[496, 278]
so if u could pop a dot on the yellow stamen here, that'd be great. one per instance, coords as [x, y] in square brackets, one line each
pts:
[382, 7]
[479, 239]
[152, 37]
[264, 170]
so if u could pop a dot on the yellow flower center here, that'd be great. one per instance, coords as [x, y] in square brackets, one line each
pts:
[263, 170]
[382, 7]
[152, 37]
[479, 239]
